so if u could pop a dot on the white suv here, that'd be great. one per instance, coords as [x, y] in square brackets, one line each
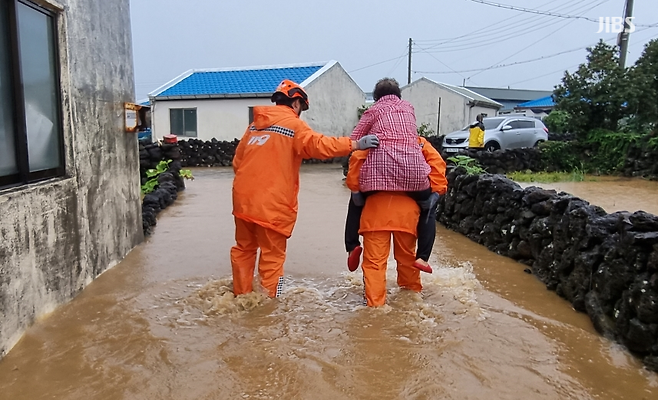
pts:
[504, 132]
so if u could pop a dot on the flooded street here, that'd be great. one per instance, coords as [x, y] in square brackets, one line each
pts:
[163, 324]
[611, 193]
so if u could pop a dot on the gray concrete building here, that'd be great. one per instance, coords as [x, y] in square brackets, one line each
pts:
[446, 108]
[69, 172]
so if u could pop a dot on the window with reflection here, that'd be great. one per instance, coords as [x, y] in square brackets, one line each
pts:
[182, 121]
[31, 139]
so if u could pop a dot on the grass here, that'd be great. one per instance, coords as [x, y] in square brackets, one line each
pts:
[549, 177]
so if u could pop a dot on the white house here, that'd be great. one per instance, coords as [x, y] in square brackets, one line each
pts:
[446, 108]
[218, 103]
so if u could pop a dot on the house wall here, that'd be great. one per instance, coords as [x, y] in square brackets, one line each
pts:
[58, 235]
[221, 119]
[424, 96]
[333, 98]
[455, 114]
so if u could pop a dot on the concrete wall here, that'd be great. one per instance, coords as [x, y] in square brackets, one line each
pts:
[334, 100]
[57, 236]
[456, 112]
[222, 119]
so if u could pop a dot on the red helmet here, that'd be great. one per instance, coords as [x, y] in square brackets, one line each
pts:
[291, 90]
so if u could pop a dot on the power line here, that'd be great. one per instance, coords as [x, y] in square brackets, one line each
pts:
[539, 12]
[531, 44]
[547, 13]
[504, 65]
[379, 63]
[482, 31]
[516, 30]
[575, 65]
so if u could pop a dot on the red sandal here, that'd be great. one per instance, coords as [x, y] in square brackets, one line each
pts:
[423, 267]
[354, 258]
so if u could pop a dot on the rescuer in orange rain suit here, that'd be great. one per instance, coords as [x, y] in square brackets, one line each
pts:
[396, 214]
[266, 184]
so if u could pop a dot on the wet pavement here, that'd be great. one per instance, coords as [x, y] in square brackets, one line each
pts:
[163, 324]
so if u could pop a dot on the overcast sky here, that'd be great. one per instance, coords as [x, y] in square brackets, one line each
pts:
[369, 38]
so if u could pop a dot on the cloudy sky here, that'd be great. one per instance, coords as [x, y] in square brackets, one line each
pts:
[454, 41]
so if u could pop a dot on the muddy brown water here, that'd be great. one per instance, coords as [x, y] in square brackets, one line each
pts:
[163, 323]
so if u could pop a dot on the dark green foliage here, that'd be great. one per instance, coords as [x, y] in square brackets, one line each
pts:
[596, 95]
[557, 121]
[561, 156]
[424, 130]
[644, 78]
[609, 150]
[361, 110]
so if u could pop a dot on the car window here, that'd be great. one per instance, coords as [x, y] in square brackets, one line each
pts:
[526, 124]
[516, 124]
[492, 123]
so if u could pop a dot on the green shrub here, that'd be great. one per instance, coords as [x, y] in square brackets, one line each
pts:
[560, 156]
[609, 149]
[557, 121]
[152, 174]
[471, 165]
[424, 130]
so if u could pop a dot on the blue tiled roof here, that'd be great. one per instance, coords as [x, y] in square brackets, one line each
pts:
[227, 82]
[538, 103]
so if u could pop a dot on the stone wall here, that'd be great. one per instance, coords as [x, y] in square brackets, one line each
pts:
[504, 161]
[169, 182]
[642, 160]
[604, 264]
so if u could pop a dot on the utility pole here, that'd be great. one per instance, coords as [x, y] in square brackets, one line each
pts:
[624, 36]
[409, 66]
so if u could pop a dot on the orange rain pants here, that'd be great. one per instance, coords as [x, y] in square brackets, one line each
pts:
[386, 214]
[376, 248]
[249, 237]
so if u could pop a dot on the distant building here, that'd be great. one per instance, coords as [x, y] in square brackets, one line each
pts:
[510, 98]
[538, 108]
[218, 103]
[446, 108]
[69, 181]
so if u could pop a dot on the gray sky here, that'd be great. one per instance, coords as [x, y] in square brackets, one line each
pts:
[369, 38]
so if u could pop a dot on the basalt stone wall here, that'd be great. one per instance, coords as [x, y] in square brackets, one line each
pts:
[504, 161]
[169, 182]
[219, 153]
[605, 264]
[642, 160]
[212, 153]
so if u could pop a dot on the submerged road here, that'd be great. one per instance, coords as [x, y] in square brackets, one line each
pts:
[163, 324]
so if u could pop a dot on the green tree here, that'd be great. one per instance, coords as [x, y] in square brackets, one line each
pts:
[644, 77]
[596, 95]
[557, 121]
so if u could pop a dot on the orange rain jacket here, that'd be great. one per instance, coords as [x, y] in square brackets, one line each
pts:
[267, 162]
[437, 175]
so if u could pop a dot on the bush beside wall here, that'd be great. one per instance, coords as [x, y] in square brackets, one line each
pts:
[169, 182]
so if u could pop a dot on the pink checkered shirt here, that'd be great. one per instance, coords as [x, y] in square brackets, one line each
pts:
[398, 163]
